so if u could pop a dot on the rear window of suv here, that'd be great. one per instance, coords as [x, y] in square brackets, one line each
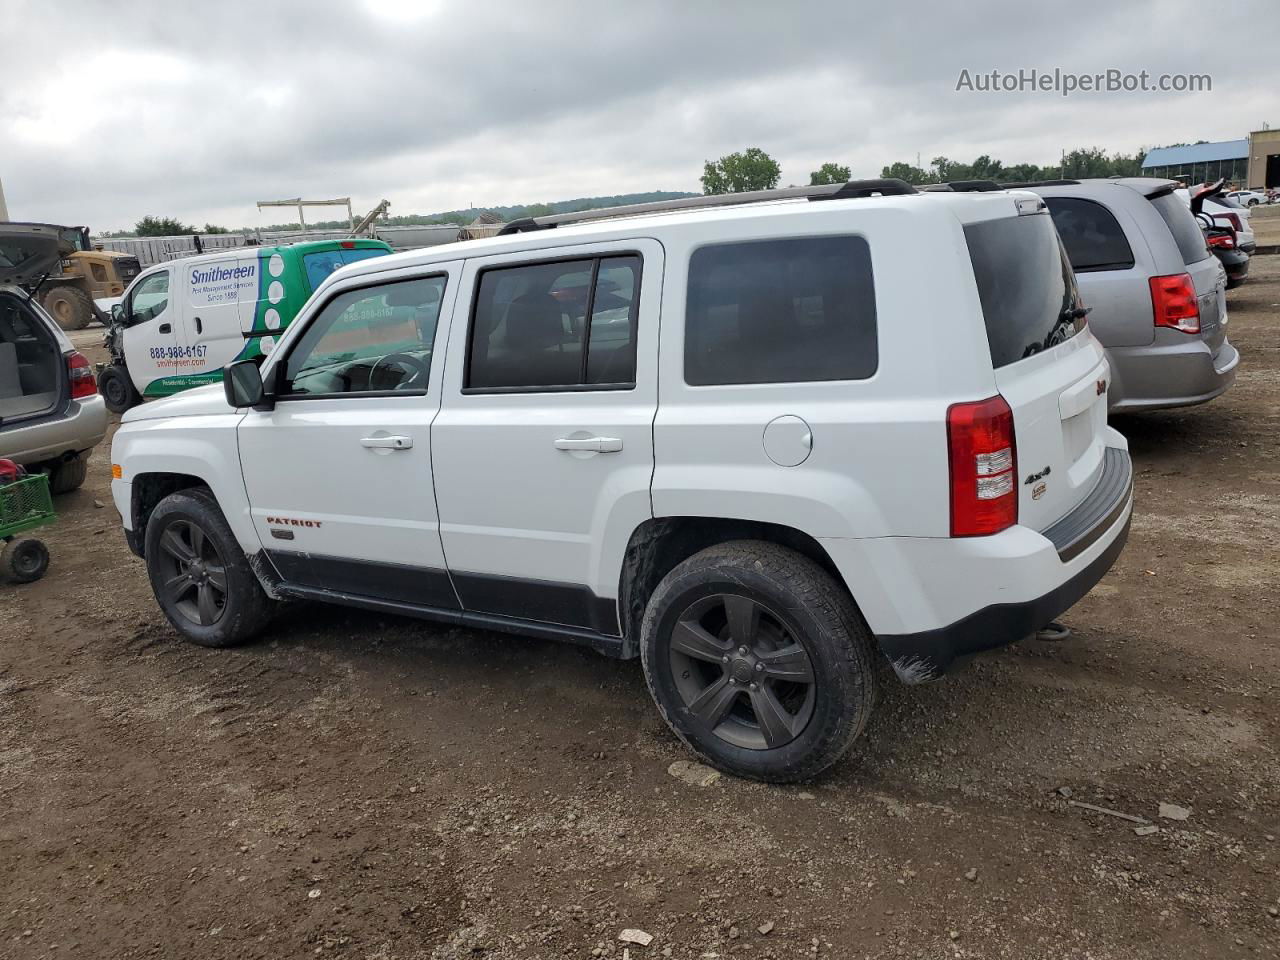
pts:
[1025, 282]
[1182, 224]
[780, 311]
[1091, 234]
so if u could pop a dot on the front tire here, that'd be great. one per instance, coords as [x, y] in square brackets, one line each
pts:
[199, 573]
[70, 306]
[117, 389]
[759, 661]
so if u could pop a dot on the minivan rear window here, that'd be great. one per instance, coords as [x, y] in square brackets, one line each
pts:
[1091, 234]
[1182, 224]
[1026, 286]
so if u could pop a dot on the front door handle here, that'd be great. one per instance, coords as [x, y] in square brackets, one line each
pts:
[199, 326]
[164, 328]
[387, 443]
[598, 444]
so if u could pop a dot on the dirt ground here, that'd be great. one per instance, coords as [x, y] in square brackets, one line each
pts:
[370, 787]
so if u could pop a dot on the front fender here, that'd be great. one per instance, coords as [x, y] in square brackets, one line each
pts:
[200, 447]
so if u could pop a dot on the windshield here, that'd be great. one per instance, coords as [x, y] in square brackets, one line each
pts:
[320, 265]
[1028, 292]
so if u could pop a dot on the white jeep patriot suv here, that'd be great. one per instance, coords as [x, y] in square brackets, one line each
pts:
[750, 439]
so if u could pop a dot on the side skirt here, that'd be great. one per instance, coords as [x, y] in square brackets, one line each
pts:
[601, 643]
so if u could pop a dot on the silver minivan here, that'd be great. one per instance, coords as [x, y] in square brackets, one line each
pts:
[1157, 294]
[51, 415]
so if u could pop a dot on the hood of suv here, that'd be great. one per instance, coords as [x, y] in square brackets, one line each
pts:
[197, 402]
[28, 251]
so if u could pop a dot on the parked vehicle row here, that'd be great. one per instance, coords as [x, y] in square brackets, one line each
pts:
[51, 415]
[758, 503]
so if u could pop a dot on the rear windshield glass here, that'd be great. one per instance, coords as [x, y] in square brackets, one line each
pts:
[1089, 231]
[320, 265]
[1027, 289]
[1182, 224]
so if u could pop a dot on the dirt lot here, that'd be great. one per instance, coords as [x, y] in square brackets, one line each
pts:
[377, 788]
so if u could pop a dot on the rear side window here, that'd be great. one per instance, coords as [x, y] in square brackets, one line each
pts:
[322, 263]
[564, 325]
[1182, 224]
[1028, 291]
[780, 311]
[1093, 238]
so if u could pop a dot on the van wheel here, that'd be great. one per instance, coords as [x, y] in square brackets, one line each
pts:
[199, 573]
[69, 474]
[759, 661]
[70, 306]
[117, 389]
[24, 560]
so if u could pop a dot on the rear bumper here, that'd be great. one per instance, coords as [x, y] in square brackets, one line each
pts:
[1174, 373]
[939, 599]
[81, 427]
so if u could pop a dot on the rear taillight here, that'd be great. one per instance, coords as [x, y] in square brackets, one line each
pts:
[81, 376]
[1231, 218]
[984, 463]
[1222, 242]
[1174, 304]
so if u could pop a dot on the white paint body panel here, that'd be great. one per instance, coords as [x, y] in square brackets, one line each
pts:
[511, 503]
[873, 490]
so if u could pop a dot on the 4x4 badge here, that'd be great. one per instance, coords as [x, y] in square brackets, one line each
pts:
[1038, 476]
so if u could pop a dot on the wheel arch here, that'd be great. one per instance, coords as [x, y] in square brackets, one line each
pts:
[660, 543]
[147, 490]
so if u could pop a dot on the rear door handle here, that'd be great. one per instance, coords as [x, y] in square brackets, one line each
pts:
[164, 328]
[598, 444]
[387, 443]
[199, 326]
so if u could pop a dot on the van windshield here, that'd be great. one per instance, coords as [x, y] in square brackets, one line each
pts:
[319, 265]
[1028, 291]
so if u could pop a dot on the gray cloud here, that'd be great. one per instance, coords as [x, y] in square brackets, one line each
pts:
[197, 111]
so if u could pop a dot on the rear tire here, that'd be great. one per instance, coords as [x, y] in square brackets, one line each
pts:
[759, 661]
[69, 475]
[117, 389]
[70, 306]
[24, 560]
[200, 575]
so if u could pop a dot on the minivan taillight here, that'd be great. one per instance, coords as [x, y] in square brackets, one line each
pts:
[1231, 218]
[1174, 303]
[984, 467]
[81, 376]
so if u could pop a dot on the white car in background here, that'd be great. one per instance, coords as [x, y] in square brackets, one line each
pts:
[1248, 198]
[1227, 213]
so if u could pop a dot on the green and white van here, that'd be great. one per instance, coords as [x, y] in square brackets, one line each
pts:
[181, 322]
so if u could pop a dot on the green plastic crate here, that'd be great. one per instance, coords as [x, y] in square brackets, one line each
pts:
[25, 504]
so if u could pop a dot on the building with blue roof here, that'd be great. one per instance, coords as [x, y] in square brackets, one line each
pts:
[1253, 161]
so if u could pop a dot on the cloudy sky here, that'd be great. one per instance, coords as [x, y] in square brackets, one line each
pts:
[109, 111]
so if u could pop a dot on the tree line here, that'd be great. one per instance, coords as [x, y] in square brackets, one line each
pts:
[753, 169]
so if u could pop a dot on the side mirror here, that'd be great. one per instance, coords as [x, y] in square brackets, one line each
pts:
[242, 382]
[117, 313]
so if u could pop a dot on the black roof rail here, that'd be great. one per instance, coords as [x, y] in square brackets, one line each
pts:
[836, 191]
[963, 186]
[1039, 183]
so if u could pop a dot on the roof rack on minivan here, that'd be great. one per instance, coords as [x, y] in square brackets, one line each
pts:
[837, 191]
[1038, 183]
[964, 186]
